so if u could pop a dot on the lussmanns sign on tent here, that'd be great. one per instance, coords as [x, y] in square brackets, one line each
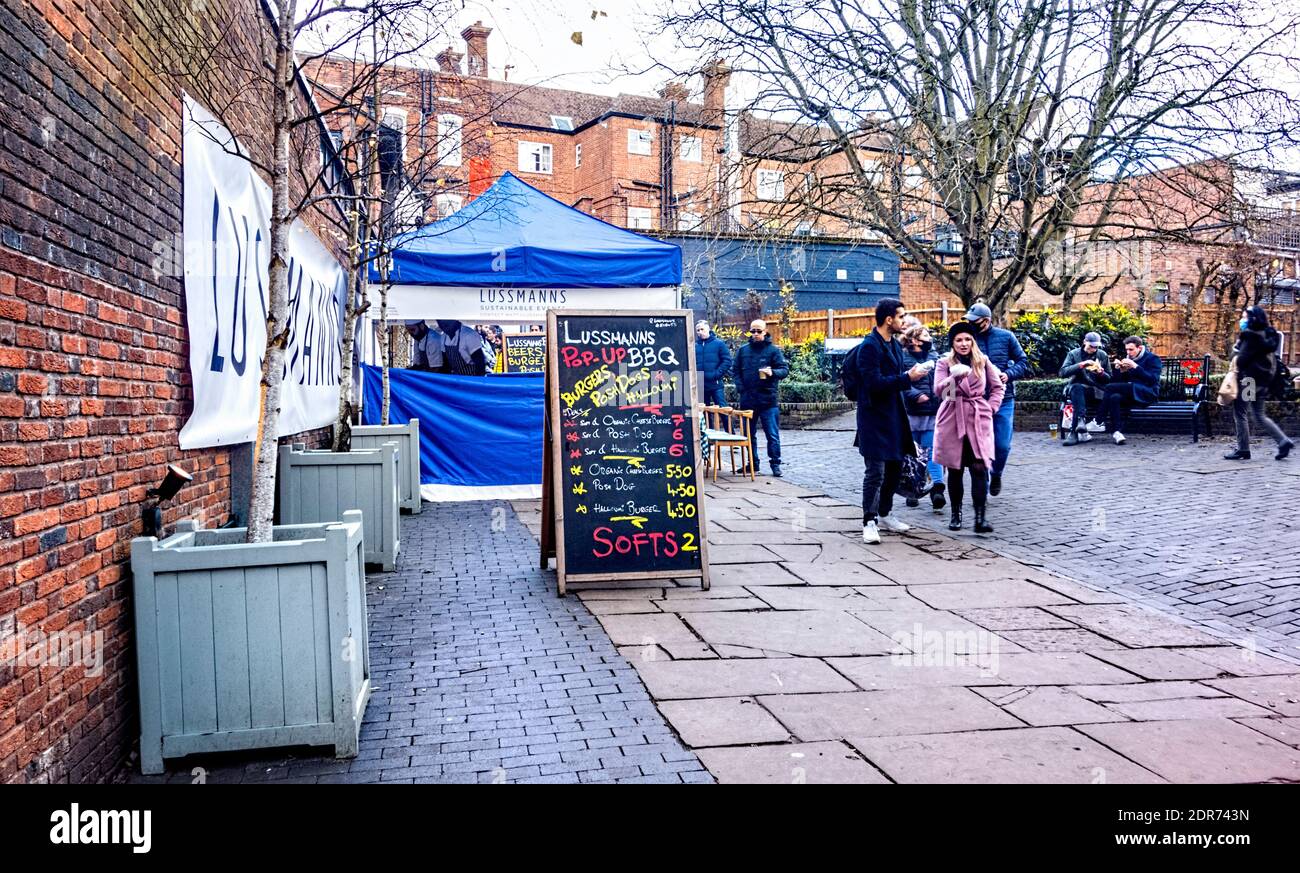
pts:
[227, 235]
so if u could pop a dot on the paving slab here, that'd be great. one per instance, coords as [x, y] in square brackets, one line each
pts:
[1048, 706]
[751, 574]
[751, 554]
[1042, 756]
[1014, 618]
[1200, 750]
[1146, 691]
[1278, 693]
[1059, 640]
[738, 677]
[892, 671]
[712, 604]
[811, 598]
[1189, 708]
[810, 634]
[1133, 626]
[1158, 664]
[723, 721]
[936, 571]
[622, 606]
[887, 712]
[934, 630]
[1241, 661]
[838, 574]
[1284, 730]
[689, 651]
[793, 763]
[1058, 668]
[747, 652]
[644, 630]
[987, 593]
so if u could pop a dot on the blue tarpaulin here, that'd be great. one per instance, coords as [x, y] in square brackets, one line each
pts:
[480, 436]
[514, 235]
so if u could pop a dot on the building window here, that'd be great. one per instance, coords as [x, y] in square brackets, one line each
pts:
[803, 228]
[1184, 293]
[562, 122]
[447, 204]
[771, 185]
[638, 142]
[449, 140]
[577, 155]
[1160, 292]
[640, 218]
[534, 157]
[689, 220]
[1207, 296]
[691, 149]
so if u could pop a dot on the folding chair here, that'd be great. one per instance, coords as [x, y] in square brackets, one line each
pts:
[736, 437]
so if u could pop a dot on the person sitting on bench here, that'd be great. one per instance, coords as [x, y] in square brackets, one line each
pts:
[1088, 370]
[1135, 382]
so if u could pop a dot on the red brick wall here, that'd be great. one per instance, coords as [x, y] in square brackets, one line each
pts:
[94, 372]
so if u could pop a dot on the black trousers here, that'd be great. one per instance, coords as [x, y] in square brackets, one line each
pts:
[879, 482]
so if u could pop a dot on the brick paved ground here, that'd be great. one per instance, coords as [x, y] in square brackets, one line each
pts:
[1179, 528]
[482, 673]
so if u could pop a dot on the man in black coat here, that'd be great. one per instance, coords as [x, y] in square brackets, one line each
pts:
[876, 377]
[759, 367]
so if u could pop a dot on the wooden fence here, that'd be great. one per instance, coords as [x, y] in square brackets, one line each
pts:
[1169, 334]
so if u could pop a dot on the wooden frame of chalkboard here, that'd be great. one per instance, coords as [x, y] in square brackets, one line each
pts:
[506, 339]
[553, 539]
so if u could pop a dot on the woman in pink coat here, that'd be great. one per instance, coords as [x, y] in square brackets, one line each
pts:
[971, 390]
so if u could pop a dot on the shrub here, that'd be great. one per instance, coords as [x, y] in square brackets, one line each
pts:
[1047, 337]
[1114, 322]
[1040, 389]
[790, 391]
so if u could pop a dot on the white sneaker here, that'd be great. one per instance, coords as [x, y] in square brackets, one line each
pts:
[1085, 437]
[889, 523]
[1094, 427]
[1119, 438]
[870, 534]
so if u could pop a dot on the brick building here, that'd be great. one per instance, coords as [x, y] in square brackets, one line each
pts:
[94, 357]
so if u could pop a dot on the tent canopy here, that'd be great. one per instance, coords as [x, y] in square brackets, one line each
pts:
[515, 236]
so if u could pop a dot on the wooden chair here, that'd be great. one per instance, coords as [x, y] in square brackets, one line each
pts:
[734, 436]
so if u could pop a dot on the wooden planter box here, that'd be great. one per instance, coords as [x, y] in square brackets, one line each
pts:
[319, 486]
[407, 437]
[250, 646]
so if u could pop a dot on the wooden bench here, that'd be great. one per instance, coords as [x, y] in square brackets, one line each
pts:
[1182, 407]
[728, 428]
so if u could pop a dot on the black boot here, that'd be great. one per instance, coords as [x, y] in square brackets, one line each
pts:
[1238, 455]
[955, 524]
[981, 525]
[1284, 450]
[937, 500]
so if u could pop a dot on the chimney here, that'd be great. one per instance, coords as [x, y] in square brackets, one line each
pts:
[475, 37]
[674, 91]
[449, 60]
[716, 75]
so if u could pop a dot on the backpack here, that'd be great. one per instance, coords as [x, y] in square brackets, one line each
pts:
[851, 375]
[1281, 383]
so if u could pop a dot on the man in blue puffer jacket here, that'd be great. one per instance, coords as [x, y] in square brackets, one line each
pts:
[1003, 349]
[713, 360]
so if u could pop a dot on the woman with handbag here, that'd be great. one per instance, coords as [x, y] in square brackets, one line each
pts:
[1255, 360]
[970, 390]
[922, 403]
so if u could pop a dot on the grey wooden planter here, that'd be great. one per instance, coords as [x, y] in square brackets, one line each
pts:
[250, 646]
[407, 437]
[319, 486]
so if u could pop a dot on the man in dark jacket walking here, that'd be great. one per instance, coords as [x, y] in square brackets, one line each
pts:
[1135, 381]
[759, 367]
[1002, 348]
[713, 359]
[876, 376]
[1088, 370]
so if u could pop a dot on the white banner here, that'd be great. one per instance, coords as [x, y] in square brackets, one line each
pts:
[225, 251]
[491, 305]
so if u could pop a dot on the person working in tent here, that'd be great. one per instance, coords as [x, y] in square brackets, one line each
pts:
[462, 349]
[426, 353]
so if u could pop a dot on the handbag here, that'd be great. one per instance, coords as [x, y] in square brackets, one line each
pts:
[914, 480]
[1228, 390]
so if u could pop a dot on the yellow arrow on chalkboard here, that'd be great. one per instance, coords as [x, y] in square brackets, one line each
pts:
[637, 520]
[634, 460]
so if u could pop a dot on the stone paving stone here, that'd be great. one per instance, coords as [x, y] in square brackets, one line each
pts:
[1284, 730]
[1241, 661]
[885, 713]
[645, 653]
[751, 574]
[1045, 706]
[688, 651]
[1041, 755]
[642, 630]
[675, 680]
[1146, 691]
[746, 652]
[622, 606]
[723, 721]
[934, 629]
[890, 671]
[1278, 693]
[812, 598]
[1200, 750]
[751, 554]
[1014, 618]
[1158, 663]
[1062, 640]
[1133, 626]
[589, 595]
[1057, 668]
[792, 763]
[673, 595]
[989, 593]
[809, 634]
[1185, 708]
[721, 604]
[838, 574]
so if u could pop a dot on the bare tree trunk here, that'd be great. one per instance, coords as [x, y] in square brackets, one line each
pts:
[262, 496]
[386, 344]
[351, 312]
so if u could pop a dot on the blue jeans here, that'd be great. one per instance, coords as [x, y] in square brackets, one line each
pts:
[1003, 422]
[769, 420]
[715, 396]
[924, 440]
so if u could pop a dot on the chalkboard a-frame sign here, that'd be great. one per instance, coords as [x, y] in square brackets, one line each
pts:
[622, 486]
